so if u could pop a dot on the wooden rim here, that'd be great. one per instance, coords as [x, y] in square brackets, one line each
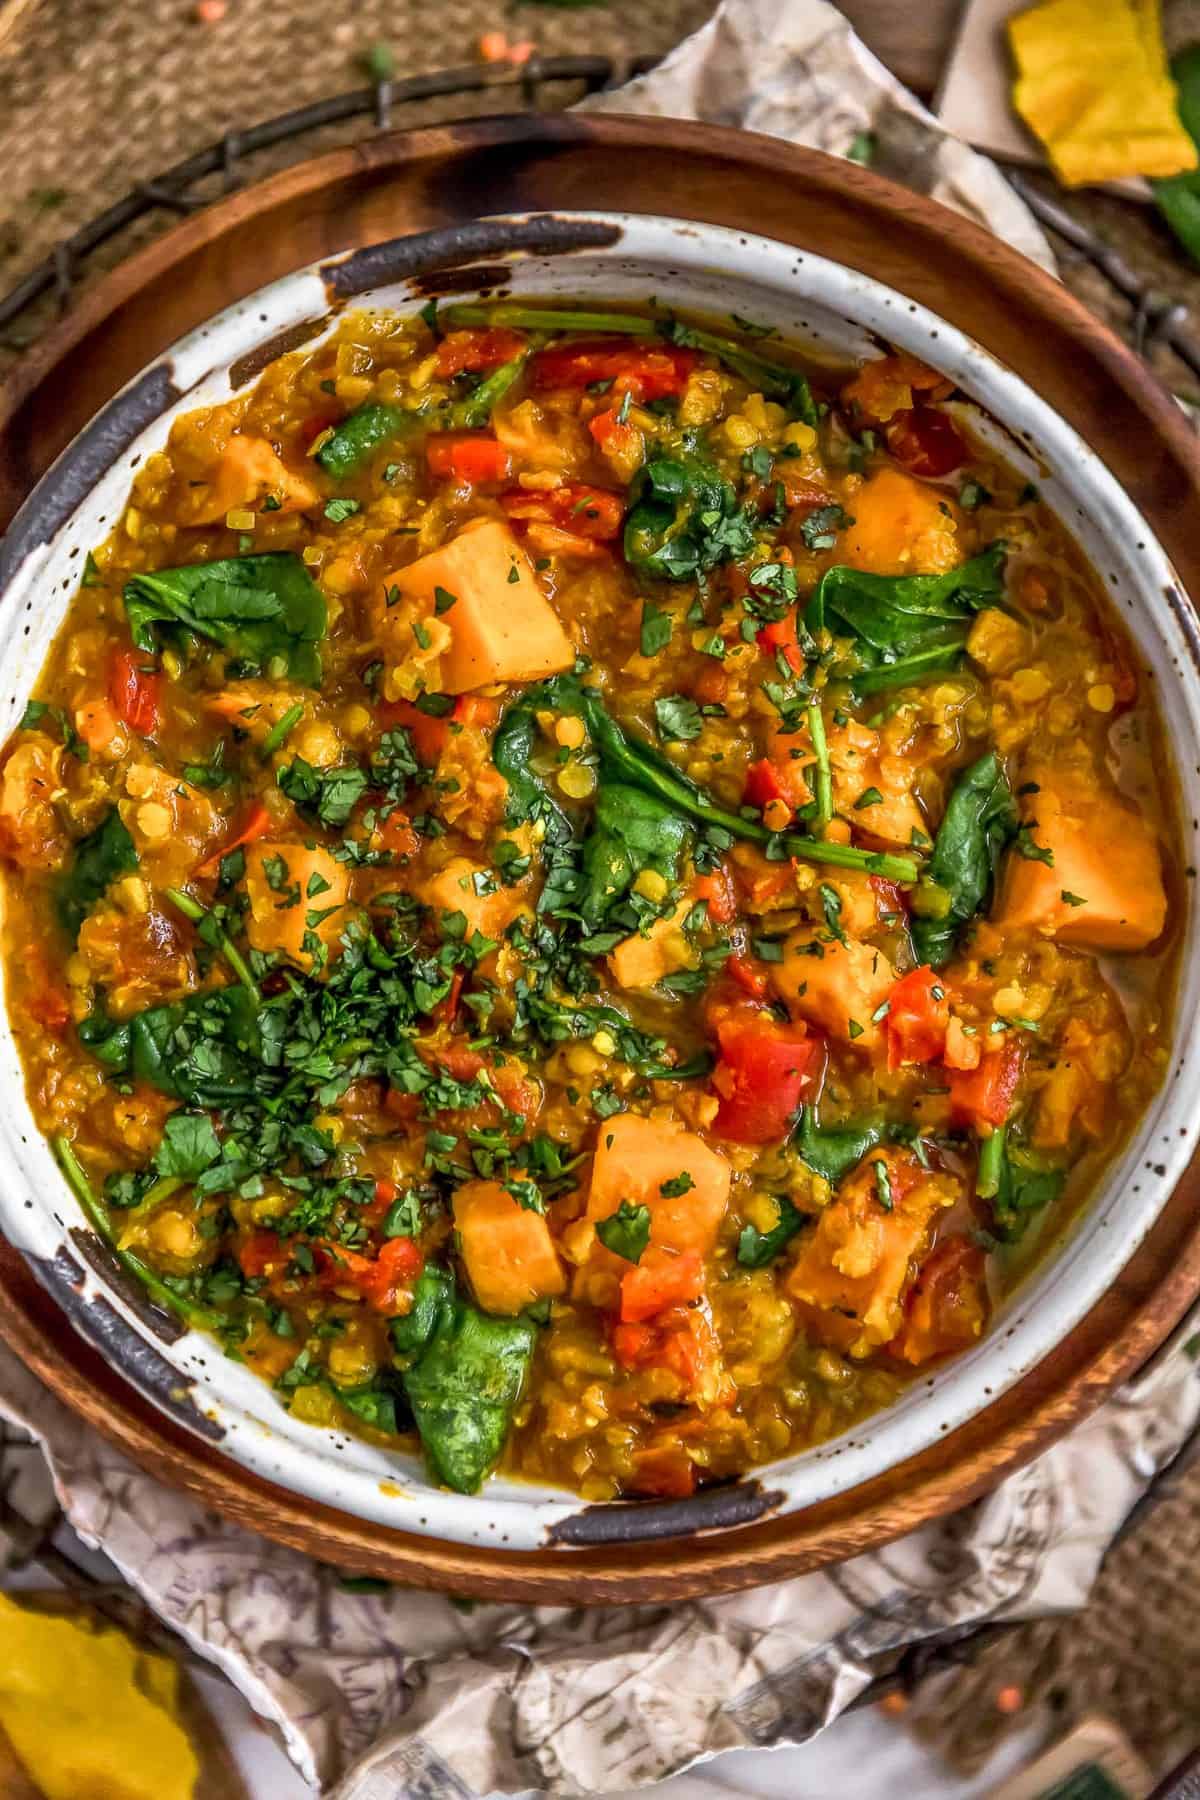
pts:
[420, 181]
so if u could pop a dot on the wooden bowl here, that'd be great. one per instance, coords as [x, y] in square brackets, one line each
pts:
[443, 179]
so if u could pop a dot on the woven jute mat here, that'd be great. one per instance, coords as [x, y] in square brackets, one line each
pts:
[96, 95]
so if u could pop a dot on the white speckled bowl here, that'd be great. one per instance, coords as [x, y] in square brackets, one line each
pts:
[814, 302]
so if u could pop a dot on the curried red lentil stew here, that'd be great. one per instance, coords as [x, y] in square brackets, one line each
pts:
[579, 897]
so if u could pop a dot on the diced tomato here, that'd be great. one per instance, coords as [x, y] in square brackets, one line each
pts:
[517, 1092]
[984, 1096]
[893, 896]
[382, 1280]
[397, 835]
[716, 890]
[660, 1281]
[927, 442]
[477, 710]
[761, 880]
[711, 685]
[646, 372]
[946, 1305]
[749, 977]
[429, 735]
[134, 691]
[760, 1078]
[917, 1019]
[782, 635]
[552, 540]
[613, 434]
[763, 784]
[261, 1252]
[315, 427]
[50, 1007]
[471, 456]
[477, 351]
[588, 512]
[666, 1472]
[258, 822]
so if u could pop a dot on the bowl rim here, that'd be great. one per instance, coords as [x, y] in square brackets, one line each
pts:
[807, 165]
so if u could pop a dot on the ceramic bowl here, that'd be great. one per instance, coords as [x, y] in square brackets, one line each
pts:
[835, 312]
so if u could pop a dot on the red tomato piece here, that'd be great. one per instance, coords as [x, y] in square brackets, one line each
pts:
[893, 896]
[917, 1019]
[799, 490]
[429, 735]
[760, 1078]
[763, 784]
[666, 1472]
[134, 691]
[588, 512]
[446, 1010]
[782, 635]
[946, 1305]
[751, 979]
[398, 836]
[717, 891]
[927, 442]
[659, 1282]
[470, 456]
[395, 1269]
[261, 1252]
[984, 1095]
[645, 371]
[477, 710]
[477, 351]
[614, 434]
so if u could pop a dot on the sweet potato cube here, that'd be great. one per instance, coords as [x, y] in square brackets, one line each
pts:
[508, 1250]
[246, 473]
[900, 528]
[1104, 888]
[635, 1156]
[294, 889]
[835, 986]
[454, 890]
[501, 625]
[640, 962]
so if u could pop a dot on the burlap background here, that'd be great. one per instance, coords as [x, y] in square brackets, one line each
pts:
[98, 94]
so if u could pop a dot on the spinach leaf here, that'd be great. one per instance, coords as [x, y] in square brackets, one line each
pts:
[99, 859]
[266, 610]
[361, 433]
[202, 1050]
[1027, 1184]
[629, 759]
[529, 799]
[755, 1248]
[463, 1390]
[834, 1152]
[432, 1311]
[329, 794]
[684, 520]
[374, 1405]
[979, 821]
[631, 832]
[905, 626]
[626, 1232]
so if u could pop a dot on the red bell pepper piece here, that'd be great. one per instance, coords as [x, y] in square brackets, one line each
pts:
[917, 1019]
[946, 1305]
[429, 735]
[659, 1282]
[258, 823]
[646, 372]
[782, 635]
[927, 442]
[984, 1095]
[760, 1078]
[477, 351]
[471, 456]
[588, 512]
[134, 691]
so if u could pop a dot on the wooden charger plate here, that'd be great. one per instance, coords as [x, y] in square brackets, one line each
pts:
[446, 176]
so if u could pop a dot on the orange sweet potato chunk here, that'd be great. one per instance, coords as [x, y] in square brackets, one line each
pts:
[287, 884]
[246, 473]
[508, 1250]
[900, 528]
[1104, 889]
[501, 625]
[634, 1156]
[835, 986]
